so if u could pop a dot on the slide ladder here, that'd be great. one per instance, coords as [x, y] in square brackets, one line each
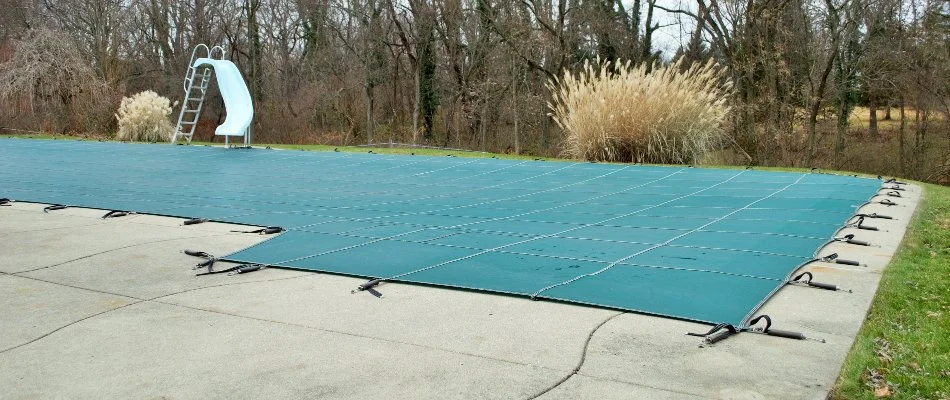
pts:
[237, 98]
[196, 84]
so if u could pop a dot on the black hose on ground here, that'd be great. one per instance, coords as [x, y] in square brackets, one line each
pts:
[264, 231]
[54, 207]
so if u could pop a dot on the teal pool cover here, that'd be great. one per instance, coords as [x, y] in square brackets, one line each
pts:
[708, 245]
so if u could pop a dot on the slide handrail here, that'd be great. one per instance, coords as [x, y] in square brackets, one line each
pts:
[209, 51]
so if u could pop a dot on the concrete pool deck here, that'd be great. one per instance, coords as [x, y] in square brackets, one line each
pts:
[93, 308]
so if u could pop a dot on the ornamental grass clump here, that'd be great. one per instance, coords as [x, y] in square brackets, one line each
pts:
[652, 114]
[144, 117]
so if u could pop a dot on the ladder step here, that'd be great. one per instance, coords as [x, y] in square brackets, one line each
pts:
[191, 111]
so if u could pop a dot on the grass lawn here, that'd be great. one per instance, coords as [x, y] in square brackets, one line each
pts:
[321, 147]
[399, 150]
[903, 349]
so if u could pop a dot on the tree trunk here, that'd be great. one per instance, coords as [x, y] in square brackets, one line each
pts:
[816, 107]
[917, 124]
[545, 125]
[415, 105]
[900, 136]
[872, 116]
[517, 144]
[646, 50]
[772, 110]
[370, 123]
[254, 53]
[514, 102]
[694, 51]
[818, 94]
[481, 124]
[748, 125]
[840, 130]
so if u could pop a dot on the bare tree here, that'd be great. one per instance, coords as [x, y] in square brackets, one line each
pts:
[472, 73]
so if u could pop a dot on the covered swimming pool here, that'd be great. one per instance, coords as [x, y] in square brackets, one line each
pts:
[708, 245]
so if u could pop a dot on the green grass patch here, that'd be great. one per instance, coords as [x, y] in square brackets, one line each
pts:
[399, 150]
[903, 349]
[40, 136]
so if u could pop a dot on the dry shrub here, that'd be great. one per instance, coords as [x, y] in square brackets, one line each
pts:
[47, 76]
[659, 114]
[144, 117]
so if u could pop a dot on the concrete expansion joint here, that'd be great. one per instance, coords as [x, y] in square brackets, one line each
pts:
[47, 334]
[49, 229]
[136, 300]
[115, 249]
[350, 334]
[77, 287]
[157, 300]
[639, 384]
[27, 210]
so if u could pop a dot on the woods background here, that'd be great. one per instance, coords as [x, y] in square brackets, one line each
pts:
[860, 85]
